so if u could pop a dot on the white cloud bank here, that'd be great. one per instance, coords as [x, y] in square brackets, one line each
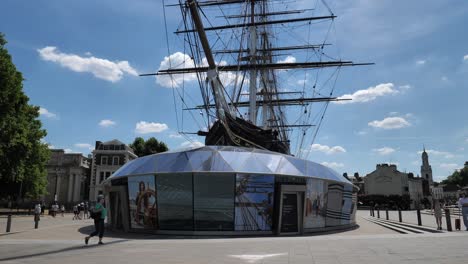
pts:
[84, 145]
[101, 68]
[192, 144]
[370, 94]
[44, 112]
[421, 62]
[144, 127]
[465, 57]
[390, 123]
[179, 60]
[106, 123]
[288, 59]
[335, 165]
[326, 149]
[384, 151]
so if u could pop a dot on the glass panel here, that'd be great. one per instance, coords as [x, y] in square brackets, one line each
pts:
[254, 202]
[214, 201]
[334, 204]
[316, 203]
[142, 202]
[175, 201]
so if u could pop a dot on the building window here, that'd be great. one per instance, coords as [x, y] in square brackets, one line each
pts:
[108, 174]
[101, 177]
[104, 160]
[115, 160]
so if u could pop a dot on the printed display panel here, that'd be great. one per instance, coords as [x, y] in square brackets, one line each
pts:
[142, 202]
[254, 202]
[316, 203]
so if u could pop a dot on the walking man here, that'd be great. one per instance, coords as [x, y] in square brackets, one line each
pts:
[99, 213]
[463, 204]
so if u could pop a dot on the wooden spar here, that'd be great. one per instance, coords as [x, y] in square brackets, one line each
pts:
[271, 13]
[273, 66]
[298, 101]
[315, 46]
[259, 23]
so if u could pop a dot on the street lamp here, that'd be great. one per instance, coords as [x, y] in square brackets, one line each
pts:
[56, 183]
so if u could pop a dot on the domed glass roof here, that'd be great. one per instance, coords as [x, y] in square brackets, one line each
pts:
[227, 159]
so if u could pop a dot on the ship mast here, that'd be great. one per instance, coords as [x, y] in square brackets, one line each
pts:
[253, 72]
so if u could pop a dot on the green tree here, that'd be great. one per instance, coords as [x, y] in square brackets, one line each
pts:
[458, 177]
[148, 147]
[23, 157]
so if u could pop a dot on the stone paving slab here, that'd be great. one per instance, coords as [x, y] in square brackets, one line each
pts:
[61, 240]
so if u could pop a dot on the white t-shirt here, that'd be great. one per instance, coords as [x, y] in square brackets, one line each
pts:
[462, 201]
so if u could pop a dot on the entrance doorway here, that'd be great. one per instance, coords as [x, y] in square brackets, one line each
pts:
[291, 209]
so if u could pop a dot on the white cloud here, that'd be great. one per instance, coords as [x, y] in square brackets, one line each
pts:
[333, 164]
[449, 166]
[175, 136]
[50, 146]
[421, 62]
[192, 144]
[444, 154]
[84, 145]
[288, 59]
[326, 149]
[144, 127]
[100, 68]
[384, 150]
[405, 87]
[465, 57]
[46, 113]
[106, 123]
[67, 150]
[390, 123]
[369, 94]
[177, 60]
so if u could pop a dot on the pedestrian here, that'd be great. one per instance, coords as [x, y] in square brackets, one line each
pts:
[98, 220]
[86, 209]
[54, 208]
[75, 212]
[436, 206]
[37, 212]
[79, 211]
[42, 205]
[463, 204]
[62, 209]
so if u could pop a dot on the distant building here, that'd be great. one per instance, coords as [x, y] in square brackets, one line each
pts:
[416, 190]
[107, 157]
[386, 180]
[67, 176]
[426, 170]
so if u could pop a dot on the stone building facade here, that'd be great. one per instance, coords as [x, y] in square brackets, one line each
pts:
[107, 157]
[386, 180]
[67, 176]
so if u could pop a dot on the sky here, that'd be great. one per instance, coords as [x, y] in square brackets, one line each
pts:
[81, 60]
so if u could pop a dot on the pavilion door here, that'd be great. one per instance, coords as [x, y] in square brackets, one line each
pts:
[291, 210]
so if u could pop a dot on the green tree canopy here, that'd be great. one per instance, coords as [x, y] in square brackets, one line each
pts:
[23, 157]
[148, 147]
[458, 177]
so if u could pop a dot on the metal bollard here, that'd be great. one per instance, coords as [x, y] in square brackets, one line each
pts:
[8, 227]
[370, 211]
[36, 221]
[386, 213]
[399, 215]
[378, 213]
[447, 217]
[418, 212]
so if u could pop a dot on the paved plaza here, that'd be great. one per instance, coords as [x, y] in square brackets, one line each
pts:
[60, 240]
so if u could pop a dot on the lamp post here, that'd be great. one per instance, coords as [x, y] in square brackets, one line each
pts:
[56, 183]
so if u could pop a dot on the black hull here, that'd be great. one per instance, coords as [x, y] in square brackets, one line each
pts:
[238, 132]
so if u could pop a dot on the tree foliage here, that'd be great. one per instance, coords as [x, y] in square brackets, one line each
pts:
[458, 177]
[23, 157]
[148, 147]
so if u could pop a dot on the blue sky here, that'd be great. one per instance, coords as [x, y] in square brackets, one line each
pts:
[80, 61]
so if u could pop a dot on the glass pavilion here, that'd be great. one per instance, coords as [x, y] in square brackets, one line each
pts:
[228, 190]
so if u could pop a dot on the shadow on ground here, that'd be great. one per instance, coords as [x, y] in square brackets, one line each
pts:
[86, 230]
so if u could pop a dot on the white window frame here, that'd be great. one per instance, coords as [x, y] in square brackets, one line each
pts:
[102, 160]
[114, 158]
